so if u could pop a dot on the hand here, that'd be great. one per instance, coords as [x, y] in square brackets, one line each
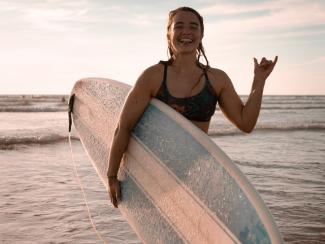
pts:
[263, 69]
[114, 190]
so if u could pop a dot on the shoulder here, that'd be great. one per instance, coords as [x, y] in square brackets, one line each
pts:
[218, 79]
[150, 78]
[217, 75]
[152, 72]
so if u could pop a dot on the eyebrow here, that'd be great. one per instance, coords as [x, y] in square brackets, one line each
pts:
[181, 23]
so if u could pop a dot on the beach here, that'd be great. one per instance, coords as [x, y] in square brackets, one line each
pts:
[41, 201]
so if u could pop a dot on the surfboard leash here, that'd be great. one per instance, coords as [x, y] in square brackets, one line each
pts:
[70, 111]
[99, 236]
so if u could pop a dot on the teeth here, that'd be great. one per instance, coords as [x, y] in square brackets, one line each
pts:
[186, 40]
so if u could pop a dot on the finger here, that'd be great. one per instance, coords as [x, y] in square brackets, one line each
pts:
[114, 201]
[264, 64]
[112, 194]
[255, 62]
[275, 60]
[113, 198]
[273, 63]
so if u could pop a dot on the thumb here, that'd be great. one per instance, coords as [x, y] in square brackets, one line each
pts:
[255, 62]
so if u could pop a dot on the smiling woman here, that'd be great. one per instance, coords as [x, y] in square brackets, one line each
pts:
[188, 86]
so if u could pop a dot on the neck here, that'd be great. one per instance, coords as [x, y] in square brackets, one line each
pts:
[185, 62]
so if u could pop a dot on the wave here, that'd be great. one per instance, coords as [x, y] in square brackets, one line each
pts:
[26, 109]
[34, 109]
[7, 141]
[62, 97]
[48, 138]
[269, 128]
[59, 103]
[291, 107]
[33, 103]
[288, 107]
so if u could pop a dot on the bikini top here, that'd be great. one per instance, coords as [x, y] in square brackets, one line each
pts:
[199, 107]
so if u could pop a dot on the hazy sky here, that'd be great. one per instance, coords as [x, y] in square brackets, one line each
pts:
[45, 46]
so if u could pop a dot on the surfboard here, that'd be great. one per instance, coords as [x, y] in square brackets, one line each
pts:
[177, 185]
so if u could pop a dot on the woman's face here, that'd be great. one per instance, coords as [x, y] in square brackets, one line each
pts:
[185, 33]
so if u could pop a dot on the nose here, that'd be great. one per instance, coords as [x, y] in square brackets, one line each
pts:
[186, 30]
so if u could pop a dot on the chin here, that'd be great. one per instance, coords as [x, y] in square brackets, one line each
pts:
[185, 50]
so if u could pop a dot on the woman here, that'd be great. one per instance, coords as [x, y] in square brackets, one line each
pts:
[187, 86]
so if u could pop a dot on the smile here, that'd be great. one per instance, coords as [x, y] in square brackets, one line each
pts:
[185, 41]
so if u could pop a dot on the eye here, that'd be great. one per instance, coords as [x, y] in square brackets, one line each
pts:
[177, 27]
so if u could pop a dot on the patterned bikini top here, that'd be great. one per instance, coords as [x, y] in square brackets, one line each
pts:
[199, 107]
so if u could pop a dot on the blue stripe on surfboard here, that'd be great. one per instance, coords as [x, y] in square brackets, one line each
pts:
[151, 224]
[198, 170]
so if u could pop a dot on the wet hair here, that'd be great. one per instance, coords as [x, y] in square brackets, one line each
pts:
[200, 50]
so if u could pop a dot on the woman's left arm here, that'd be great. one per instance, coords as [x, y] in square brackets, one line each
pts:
[245, 116]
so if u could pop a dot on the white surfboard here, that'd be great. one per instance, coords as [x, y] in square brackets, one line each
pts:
[177, 184]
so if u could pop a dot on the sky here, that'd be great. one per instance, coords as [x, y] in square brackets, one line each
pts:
[47, 45]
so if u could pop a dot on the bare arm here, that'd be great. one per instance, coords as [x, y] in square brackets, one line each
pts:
[135, 104]
[245, 116]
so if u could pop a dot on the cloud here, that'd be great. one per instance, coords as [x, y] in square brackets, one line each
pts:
[67, 16]
[273, 15]
[224, 9]
[43, 15]
[295, 34]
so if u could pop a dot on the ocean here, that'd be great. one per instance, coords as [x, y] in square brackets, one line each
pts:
[41, 200]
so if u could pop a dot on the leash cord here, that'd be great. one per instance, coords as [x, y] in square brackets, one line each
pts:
[100, 237]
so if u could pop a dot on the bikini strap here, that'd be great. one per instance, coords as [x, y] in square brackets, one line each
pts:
[165, 63]
[206, 76]
[201, 66]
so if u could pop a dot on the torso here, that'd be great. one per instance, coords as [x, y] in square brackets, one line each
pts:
[180, 86]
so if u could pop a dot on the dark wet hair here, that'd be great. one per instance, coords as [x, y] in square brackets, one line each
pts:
[200, 50]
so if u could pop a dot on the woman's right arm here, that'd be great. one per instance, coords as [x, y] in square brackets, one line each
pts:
[134, 106]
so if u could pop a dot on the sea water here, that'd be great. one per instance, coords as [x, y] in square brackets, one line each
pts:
[41, 200]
